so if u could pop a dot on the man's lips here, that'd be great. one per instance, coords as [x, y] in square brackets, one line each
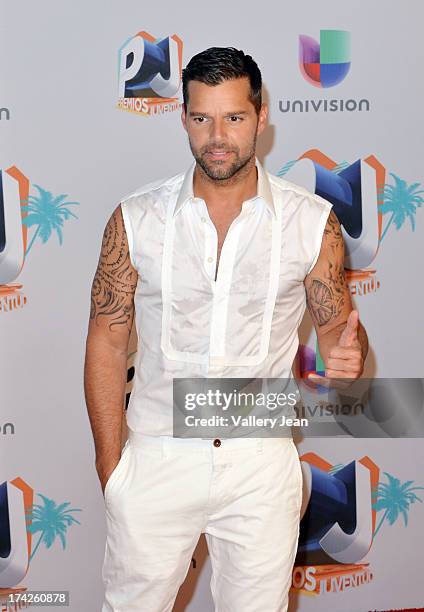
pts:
[218, 154]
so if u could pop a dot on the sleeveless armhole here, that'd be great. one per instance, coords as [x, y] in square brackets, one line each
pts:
[322, 221]
[129, 232]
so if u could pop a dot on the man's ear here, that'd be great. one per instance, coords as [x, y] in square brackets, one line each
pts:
[262, 118]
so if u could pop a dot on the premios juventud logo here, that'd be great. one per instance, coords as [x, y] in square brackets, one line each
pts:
[367, 203]
[26, 219]
[25, 526]
[344, 507]
[149, 74]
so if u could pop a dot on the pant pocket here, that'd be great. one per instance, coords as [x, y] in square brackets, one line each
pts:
[116, 471]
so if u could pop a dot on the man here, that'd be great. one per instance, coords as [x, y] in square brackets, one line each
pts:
[213, 264]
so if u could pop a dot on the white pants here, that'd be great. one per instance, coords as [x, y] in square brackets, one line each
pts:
[245, 495]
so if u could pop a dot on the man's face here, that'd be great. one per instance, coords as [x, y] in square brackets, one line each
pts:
[222, 126]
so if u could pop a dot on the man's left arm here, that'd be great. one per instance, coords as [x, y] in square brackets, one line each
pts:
[342, 339]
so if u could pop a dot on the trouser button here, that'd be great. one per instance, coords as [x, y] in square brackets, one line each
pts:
[217, 442]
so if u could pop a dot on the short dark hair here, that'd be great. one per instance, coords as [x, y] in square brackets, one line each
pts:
[218, 64]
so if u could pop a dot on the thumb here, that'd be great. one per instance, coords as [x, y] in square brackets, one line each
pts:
[350, 333]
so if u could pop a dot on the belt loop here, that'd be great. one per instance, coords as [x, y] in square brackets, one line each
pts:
[164, 447]
[259, 445]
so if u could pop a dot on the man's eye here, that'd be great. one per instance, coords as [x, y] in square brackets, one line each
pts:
[199, 119]
[235, 118]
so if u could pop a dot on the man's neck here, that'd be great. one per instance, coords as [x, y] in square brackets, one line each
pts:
[228, 193]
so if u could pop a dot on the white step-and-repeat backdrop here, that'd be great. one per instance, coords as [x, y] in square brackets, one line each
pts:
[345, 89]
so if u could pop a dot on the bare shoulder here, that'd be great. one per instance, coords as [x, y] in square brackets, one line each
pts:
[115, 280]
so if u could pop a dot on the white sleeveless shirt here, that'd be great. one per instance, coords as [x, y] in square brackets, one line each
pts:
[244, 324]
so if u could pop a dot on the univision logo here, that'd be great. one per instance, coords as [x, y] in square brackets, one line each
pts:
[7, 428]
[325, 64]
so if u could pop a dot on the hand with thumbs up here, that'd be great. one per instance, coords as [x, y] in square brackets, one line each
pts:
[345, 359]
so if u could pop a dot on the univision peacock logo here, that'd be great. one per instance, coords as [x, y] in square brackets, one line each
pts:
[327, 62]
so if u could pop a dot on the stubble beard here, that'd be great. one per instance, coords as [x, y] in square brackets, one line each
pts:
[217, 170]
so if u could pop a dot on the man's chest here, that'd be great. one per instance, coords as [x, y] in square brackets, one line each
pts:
[202, 255]
[219, 314]
[221, 222]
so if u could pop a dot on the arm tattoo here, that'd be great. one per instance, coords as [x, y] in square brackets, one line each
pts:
[326, 294]
[333, 232]
[115, 279]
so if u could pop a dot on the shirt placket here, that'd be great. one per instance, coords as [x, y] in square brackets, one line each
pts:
[210, 250]
[221, 288]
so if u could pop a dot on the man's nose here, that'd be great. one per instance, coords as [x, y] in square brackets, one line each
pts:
[218, 130]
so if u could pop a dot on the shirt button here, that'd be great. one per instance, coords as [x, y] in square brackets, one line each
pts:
[210, 259]
[203, 220]
[217, 442]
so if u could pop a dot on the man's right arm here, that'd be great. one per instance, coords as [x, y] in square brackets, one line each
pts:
[105, 367]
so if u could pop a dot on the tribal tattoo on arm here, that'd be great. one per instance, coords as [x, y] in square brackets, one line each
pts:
[327, 295]
[115, 280]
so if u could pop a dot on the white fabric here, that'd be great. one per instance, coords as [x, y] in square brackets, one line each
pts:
[244, 495]
[245, 324]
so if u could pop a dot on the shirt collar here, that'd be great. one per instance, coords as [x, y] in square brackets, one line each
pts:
[264, 189]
